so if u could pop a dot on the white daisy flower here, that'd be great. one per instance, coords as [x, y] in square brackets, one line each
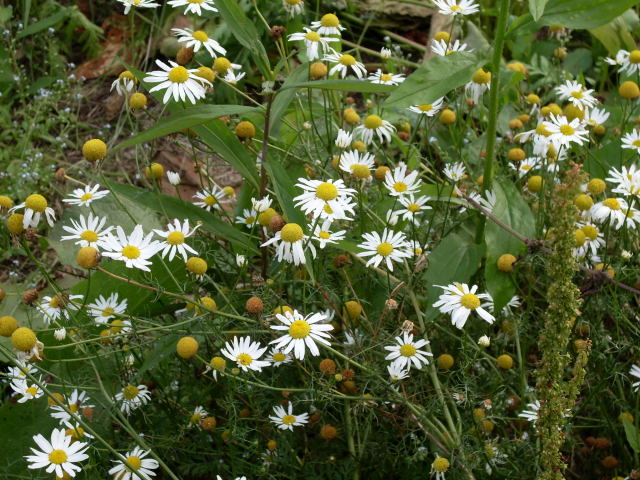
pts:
[459, 301]
[174, 239]
[418, 249]
[631, 141]
[135, 250]
[564, 132]
[241, 260]
[344, 139]
[76, 432]
[26, 390]
[132, 398]
[314, 43]
[278, 357]
[615, 210]
[198, 39]
[261, 205]
[388, 247]
[454, 171]
[104, 309]
[385, 53]
[232, 77]
[246, 353]
[137, 4]
[329, 24]
[60, 334]
[57, 307]
[344, 62]
[84, 196]
[397, 371]
[89, 232]
[375, 125]
[428, 109]
[635, 372]
[595, 116]
[34, 206]
[456, 7]
[76, 403]
[627, 62]
[593, 240]
[318, 197]
[293, 7]
[211, 198]
[627, 180]
[357, 164]
[144, 467]
[386, 78]
[179, 82]
[575, 93]
[20, 371]
[290, 243]
[526, 166]
[173, 177]
[399, 183]
[193, 6]
[442, 48]
[480, 83]
[119, 327]
[302, 331]
[198, 414]
[323, 236]
[286, 420]
[412, 207]
[249, 218]
[58, 455]
[532, 414]
[125, 83]
[406, 353]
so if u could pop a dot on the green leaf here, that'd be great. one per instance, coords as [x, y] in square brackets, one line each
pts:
[218, 136]
[176, 208]
[347, 86]
[455, 259]
[512, 210]
[285, 96]
[583, 14]
[631, 432]
[614, 36]
[536, 8]
[182, 119]
[44, 23]
[435, 79]
[245, 32]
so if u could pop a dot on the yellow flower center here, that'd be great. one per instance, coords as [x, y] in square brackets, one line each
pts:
[413, 207]
[327, 209]
[195, 1]
[384, 249]
[326, 191]
[590, 231]
[86, 196]
[525, 167]
[130, 392]
[58, 457]
[329, 20]
[175, 238]
[542, 130]
[195, 418]
[36, 202]
[481, 77]
[372, 122]
[250, 220]
[244, 359]
[360, 171]
[634, 56]
[407, 350]
[279, 357]
[292, 2]
[440, 464]
[385, 77]
[400, 187]
[178, 74]
[324, 235]
[32, 391]
[131, 252]
[77, 432]
[312, 37]
[470, 301]
[567, 130]
[116, 326]
[134, 461]
[456, 8]
[291, 232]
[612, 203]
[425, 108]
[89, 236]
[577, 94]
[210, 200]
[54, 302]
[636, 143]
[288, 419]
[299, 329]
[74, 407]
[347, 60]
[126, 74]
[107, 312]
[200, 36]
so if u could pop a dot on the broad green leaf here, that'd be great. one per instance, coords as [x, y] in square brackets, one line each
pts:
[536, 8]
[435, 79]
[455, 259]
[633, 437]
[284, 97]
[245, 32]
[614, 36]
[176, 208]
[583, 14]
[45, 23]
[182, 119]
[512, 210]
[346, 86]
